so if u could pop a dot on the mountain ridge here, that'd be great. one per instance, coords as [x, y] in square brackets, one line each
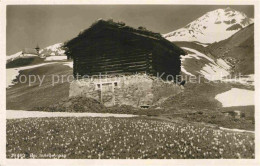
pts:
[212, 27]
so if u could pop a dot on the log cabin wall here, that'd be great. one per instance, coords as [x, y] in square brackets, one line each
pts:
[112, 53]
[165, 62]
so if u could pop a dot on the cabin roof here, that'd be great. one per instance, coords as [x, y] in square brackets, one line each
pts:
[119, 26]
[116, 25]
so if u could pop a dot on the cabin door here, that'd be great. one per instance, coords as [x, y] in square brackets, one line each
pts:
[107, 96]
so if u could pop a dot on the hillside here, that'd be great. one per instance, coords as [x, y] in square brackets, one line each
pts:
[238, 50]
[212, 27]
[21, 96]
[225, 58]
[198, 62]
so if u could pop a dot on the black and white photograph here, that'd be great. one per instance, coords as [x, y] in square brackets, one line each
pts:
[130, 81]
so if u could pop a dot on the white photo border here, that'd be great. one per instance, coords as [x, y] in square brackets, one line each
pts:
[105, 162]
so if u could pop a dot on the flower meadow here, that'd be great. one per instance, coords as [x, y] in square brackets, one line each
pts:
[122, 138]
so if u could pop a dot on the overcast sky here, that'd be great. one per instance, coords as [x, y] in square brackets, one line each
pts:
[47, 25]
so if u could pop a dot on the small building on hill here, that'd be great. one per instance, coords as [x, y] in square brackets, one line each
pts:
[111, 49]
[30, 52]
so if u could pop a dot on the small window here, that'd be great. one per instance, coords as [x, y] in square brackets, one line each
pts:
[115, 83]
[98, 85]
[144, 106]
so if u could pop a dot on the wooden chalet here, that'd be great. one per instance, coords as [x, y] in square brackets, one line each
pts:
[114, 48]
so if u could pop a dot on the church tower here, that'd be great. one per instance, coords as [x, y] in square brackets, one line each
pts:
[37, 48]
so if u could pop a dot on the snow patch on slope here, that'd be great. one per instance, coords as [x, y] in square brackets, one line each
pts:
[199, 54]
[70, 64]
[14, 56]
[245, 80]
[212, 27]
[236, 97]
[18, 114]
[12, 73]
[56, 58]
[223, 64]
[204, 45]
[211, 70]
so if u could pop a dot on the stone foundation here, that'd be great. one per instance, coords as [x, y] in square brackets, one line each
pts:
[134, 90]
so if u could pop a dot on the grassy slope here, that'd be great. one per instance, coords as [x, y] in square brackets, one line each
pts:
[198, 104]
[24, 97]
[200, 98]
[239, 46]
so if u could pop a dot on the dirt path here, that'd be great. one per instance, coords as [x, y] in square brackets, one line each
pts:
[236, 130]
[17, 114]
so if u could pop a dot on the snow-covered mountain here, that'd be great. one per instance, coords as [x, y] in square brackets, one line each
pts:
[212, 27]
[53, 50]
